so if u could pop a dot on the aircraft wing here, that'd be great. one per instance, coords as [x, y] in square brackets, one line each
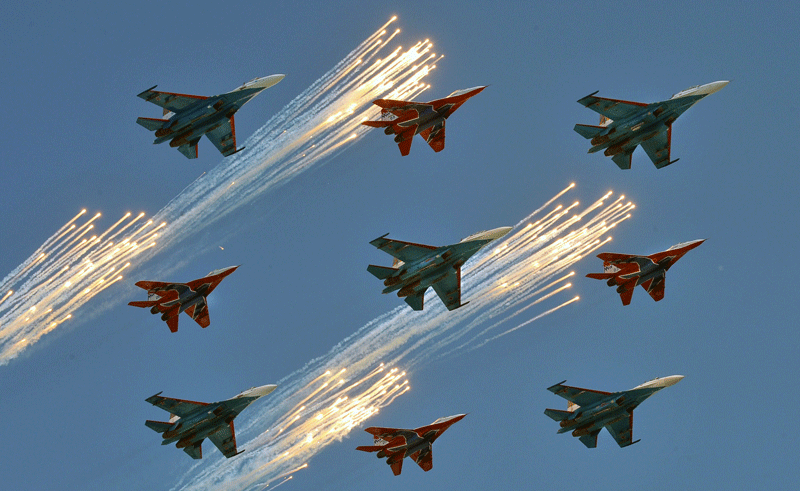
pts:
[423, 458]
[590, 440]
[224, 137]
[655, 287]
[581, 397]
[658, 147]
[611, 108]
[623, 160]
[189, 150]
[170, 101]
[163, 289]
[404, 251]
[178, 407]
[199, 312]
[417, 301]
[402, 109]
[195, 451]
[435, 136]
[449, 289]
[622, 431]
[225, 440]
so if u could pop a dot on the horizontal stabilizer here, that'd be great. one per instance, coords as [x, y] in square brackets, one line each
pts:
[588, 131]
[557, 415]
[152, 124]
[600, 276]
[158, 426]
[144, 304]
[369, 448]
[389, 103]
[378, 124]
[381, 272]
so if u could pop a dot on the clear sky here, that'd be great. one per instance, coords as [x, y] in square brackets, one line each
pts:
[73, 403]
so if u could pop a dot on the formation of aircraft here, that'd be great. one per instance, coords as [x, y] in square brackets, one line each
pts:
[174, 298]
[188, 117]
[624, 124]
[419, 266]
[191, 422]
[589, 411]
[395, 444]
[424, 118]
[626, 271]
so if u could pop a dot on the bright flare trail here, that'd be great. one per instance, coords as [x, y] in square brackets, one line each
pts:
[317, 124]
[67, 271]
[529, 267]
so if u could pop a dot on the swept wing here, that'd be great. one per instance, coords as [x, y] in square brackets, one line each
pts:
[622, 431]
[658, 147]
[170, 100]
[449, 289]
[404, 251]
[178, 407]
[611, 108]
[225, 440]
[224, 138]
[577, 395]
[195, 451]
[655, 287]
[435, 136]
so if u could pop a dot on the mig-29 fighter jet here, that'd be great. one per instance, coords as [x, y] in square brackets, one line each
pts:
[626, 271]
[424, 118]
[192, 422]
[625, 124]
[396, 444]
[174, 298]
[188, 117]
[418, 266]
[589, 411]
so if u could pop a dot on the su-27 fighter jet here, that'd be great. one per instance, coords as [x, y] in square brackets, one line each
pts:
[626, 271]
[424, 118]
[174, 298]
[589, 411]
[625, 124]
[396, 444]
[418, 266]
[188, 117]
[192, 422]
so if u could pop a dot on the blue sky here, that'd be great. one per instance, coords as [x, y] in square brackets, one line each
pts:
[74, 402]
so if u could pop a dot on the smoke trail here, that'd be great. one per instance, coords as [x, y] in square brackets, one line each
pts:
[317, 124]
[528, 267]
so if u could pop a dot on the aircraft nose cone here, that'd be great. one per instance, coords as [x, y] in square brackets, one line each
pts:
[671, 380]
[261, 391]
[712, 87]
[266, 82]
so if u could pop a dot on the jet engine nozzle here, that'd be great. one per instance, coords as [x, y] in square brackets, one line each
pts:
[389, 130]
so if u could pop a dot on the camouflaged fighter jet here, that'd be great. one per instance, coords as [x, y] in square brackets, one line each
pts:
[626, 271]
[626, 124]
[396, 444]
[423, 118]
[418, 266]
[192, 422]
[589, 411]
[188, 117]
[174, 298]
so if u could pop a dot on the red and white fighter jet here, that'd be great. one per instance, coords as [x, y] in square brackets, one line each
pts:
[626, 271]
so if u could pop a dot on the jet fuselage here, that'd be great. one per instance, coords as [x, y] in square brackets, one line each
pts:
[415, 277]
[206, 420]
[203, 116]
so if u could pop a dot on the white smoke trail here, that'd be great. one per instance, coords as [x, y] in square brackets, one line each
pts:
[527, 267]
[316, 125]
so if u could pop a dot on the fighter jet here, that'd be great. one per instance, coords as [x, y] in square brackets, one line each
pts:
[425, 118]
[589, 411]
[625, 124]
[174, 298]
[418, 266]
[396, 444]
[192, 422]
[626, 271]
[188, 117]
